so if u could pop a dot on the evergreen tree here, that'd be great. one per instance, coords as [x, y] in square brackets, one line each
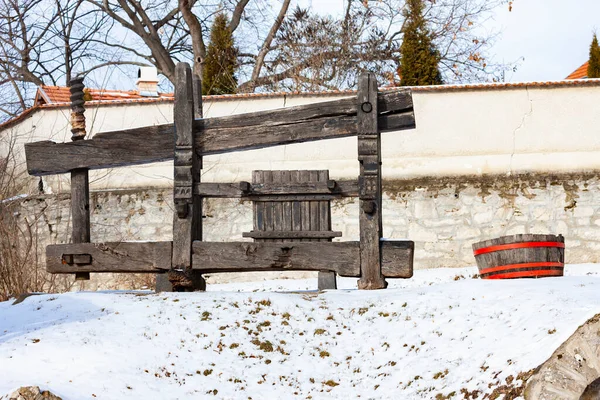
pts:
[218, 73]
[594, 63]
[419, 58]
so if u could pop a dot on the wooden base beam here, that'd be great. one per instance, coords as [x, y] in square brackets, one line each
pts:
[109, 257]
[342, 258]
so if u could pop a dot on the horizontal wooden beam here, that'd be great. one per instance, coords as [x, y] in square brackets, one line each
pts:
[292, 234]
[340, 189]
[327, 120]
[109, 257]
[341, 257]
[153, 257]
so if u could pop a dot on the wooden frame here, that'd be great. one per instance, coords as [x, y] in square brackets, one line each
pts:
[365, 115]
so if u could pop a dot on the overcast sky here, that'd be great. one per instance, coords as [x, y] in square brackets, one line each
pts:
[551, 37]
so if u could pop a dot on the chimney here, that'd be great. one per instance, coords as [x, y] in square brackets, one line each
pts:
[147, 83]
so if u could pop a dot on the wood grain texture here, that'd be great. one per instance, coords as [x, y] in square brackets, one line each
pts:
[286, 256]
[219, 135]
[340, 257]
[370, 217]
[80, 211]
[183, 217]
[397, 258]
[111, 257]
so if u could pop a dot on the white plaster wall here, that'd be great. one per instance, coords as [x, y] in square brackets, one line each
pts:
[459, 132]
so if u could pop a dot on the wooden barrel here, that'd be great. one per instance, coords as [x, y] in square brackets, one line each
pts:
[520, 256]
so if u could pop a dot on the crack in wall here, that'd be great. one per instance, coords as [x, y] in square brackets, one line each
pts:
[518, 128]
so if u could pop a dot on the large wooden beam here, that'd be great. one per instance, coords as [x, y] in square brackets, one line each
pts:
[108, 257]
[369, 157]
[155, 257]
[341, 257]
[149, 144]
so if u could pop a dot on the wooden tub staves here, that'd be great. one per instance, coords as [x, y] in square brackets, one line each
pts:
[520, 256]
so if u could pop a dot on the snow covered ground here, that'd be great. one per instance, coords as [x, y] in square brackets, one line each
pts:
[439, 335]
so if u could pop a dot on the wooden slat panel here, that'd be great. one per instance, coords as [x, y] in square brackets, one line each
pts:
[296, 205]
[277, 206]
[111, 257]
[219, 135]
[305, 205]
[342, 257]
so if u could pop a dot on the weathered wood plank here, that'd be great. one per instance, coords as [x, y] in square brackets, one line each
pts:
[155, 257]
[219, 135]
[80, 211]
[341, 257]
[233, 190]
[293, 256]
[370, 221]
[183, 215]
[292, 234]
[326, 280]
[110, 257]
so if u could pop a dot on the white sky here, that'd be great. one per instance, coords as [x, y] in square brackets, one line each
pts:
[551, 37]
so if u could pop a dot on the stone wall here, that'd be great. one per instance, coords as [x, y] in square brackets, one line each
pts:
[444, 216]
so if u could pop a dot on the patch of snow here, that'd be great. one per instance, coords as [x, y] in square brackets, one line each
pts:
[436, 333]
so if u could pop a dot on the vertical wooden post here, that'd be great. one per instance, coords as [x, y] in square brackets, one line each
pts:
[187, 218]
[80, 182]
[369, 157]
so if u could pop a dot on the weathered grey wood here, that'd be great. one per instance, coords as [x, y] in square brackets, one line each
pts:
[80, 211]
[316, 235]
[296, 204]
[305, 206]
[187, 217]
[327, 280]
[293, 256]
[277, 206]
[370, 222]
[155, 257]
[219, 135]
[110, 257]
[233, 190]
[397, 258]
[340, 257]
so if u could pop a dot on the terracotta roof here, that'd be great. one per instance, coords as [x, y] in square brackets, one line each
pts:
[579, 73]
[61, 94]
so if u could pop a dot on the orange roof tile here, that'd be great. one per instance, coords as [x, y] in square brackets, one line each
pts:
[579, 73]
[61, 94]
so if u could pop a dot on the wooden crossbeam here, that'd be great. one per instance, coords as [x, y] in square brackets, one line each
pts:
[240, 190]
[153, 257]
[109, 257]
[327, 120]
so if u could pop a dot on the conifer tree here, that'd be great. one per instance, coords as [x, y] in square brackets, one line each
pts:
[419, 58]
[218, 73]
[594, 63]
